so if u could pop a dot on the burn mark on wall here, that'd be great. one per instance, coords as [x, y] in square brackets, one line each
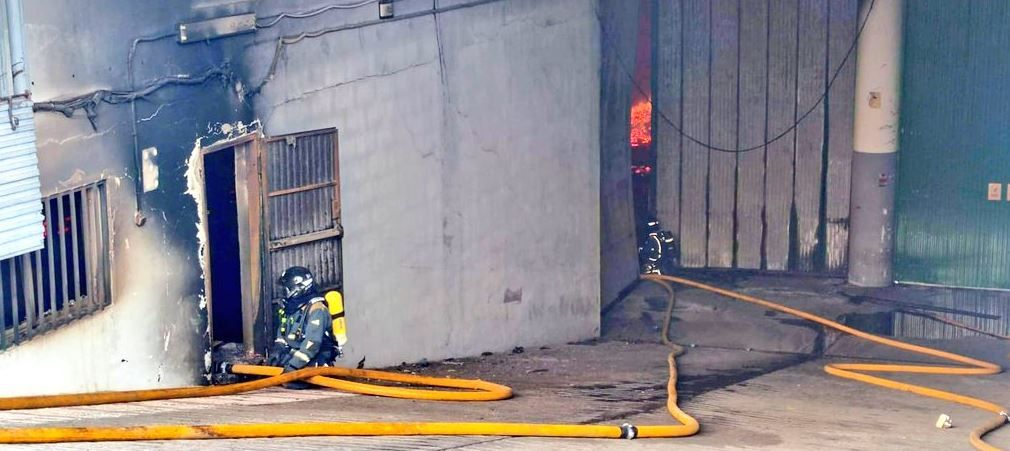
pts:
[513, 296]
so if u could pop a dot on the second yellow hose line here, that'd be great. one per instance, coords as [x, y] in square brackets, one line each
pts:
[466, 390]
[855, 371]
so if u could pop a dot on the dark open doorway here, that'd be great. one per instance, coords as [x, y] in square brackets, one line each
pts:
[223, 242]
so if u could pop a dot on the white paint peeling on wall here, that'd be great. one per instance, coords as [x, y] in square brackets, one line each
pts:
[194, 189]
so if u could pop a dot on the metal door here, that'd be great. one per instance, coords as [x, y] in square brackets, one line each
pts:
[953, 208]
[301, 211]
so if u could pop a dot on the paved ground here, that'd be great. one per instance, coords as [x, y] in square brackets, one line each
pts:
[774, 396]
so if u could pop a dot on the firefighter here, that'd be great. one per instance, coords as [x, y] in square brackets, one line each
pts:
[304, 329]
[657, 252]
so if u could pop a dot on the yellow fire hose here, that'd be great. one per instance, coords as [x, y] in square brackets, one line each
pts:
[466, 390]
[853, 370]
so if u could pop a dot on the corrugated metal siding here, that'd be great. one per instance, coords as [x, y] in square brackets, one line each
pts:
[322, 257]
[307, 164]
[954, 143]
[995, 304]
[20, 195]
[735, 74]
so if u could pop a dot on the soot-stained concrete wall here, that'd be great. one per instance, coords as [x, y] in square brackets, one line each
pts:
[469, 153]
[154, 332]
[470, 164]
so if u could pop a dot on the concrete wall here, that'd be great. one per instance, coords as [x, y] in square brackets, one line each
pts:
[154, 333]
[469, 165]
[469, 160]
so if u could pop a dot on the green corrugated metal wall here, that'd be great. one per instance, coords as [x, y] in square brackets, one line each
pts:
[955, 141]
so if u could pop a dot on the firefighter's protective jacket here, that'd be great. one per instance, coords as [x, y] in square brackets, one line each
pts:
[304, 334]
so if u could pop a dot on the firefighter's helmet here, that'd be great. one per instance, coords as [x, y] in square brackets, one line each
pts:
[296, 280]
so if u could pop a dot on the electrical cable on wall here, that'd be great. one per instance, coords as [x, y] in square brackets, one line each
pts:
[90, 101]
[138, 183]
[273, 20]
[777, 137]
[285, 41]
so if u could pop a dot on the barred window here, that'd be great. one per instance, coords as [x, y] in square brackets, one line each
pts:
[65, 280]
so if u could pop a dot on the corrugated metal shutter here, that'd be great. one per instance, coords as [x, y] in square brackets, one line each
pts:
[953, 214]
[303, 207]
[21, 229]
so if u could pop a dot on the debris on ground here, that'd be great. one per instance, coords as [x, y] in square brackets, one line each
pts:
[235, 353]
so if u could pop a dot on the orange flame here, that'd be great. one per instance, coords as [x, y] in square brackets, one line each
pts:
[641, 124]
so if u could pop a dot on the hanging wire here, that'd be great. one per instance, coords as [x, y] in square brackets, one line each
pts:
[709, 146]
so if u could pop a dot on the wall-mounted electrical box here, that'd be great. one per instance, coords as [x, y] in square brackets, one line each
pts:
[216, 28]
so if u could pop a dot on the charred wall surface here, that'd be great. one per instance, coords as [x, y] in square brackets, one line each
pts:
[469, 161]
[154, 333]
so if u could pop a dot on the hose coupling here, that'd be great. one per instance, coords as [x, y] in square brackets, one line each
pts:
[1006, 417]
[629, 431]
[226, 367]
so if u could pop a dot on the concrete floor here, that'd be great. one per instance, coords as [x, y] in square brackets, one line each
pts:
[772, 396]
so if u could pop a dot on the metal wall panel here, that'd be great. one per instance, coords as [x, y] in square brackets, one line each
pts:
[954, 144]
[667, 97]
[20, 195]
[843, 18]
[750, 189]
[323, 257]
[748, 70]
[991, 315]
[303, 163]
[723, 119]
[696, 101]
[303, 210]
[782, 49]
[809, 162]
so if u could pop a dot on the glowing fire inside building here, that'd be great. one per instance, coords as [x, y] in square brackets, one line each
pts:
[641, 124]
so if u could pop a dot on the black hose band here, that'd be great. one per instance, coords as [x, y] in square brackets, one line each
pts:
[629, 431]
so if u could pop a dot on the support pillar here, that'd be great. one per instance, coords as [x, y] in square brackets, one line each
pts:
[15, 30]
[876, 133]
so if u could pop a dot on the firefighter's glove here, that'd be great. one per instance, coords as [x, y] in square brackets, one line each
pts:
[278, 355]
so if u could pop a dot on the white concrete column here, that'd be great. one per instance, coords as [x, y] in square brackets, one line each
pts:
[876, 138]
